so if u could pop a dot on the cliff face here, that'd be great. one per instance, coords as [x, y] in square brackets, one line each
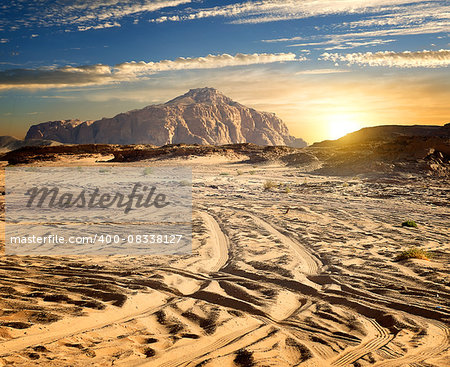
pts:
[201, 116]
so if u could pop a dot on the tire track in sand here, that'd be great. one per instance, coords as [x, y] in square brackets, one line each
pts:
[381, 339]
[135, 307]
[190, 354]
[310, 264]
[218, 239]
[438, 347]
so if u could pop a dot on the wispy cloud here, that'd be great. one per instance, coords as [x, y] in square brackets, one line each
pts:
[321, 71]
[382, 25]
[278, 10]
[207, 62]
[403, 16]
[426, 28]
[342, 43]
[99, 26]
[77, 14]
[128, 71]
[406, 59]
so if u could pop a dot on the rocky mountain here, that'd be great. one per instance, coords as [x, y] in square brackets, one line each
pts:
[201, 116]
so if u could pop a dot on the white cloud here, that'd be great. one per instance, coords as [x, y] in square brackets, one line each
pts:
[403, 16]
[373, 28]
[277, 10]
[342, 43]
[406, 59]
[82, 14]
[51, 77]
[98, 26]
[426, 28]
[427, 18]
[321, 71]
[207, 62]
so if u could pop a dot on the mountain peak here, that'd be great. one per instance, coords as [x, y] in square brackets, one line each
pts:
[201, 95]
[200, 116]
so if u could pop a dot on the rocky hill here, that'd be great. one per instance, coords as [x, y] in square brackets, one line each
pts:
[8, 143]
[201, 116]
[387, 132]
[387, 149]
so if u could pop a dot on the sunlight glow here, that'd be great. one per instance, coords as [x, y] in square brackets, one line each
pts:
[341, 124]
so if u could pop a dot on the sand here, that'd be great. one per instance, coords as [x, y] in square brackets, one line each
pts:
[301, 274]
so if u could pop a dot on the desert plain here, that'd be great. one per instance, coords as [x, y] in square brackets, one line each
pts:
[288, 268]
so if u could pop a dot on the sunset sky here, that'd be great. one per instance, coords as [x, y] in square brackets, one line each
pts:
[325, 67]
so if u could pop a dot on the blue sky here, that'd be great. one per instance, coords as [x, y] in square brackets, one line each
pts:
[324, 67]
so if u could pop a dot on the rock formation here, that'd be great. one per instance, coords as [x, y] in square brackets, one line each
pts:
[201, 116]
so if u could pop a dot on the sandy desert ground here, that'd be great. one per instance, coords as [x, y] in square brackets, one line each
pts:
[303, 273]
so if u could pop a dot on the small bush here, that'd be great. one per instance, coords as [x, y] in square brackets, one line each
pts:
[252, 172]
[224, 174]
[147, 171]
[409, 223]
[287, 189]
[413, 253]
[239, 172]
[269, 185]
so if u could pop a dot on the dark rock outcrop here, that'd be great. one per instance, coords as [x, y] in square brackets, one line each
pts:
[387, 149]
[387, 132]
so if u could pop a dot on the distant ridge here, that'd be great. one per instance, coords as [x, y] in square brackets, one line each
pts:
[384, 132]
[387, 149]
[200, 116]
[8, 143]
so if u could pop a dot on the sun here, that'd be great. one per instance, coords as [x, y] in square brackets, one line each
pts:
[341, 124]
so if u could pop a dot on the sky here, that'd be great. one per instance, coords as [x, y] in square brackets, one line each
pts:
[325, 67]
